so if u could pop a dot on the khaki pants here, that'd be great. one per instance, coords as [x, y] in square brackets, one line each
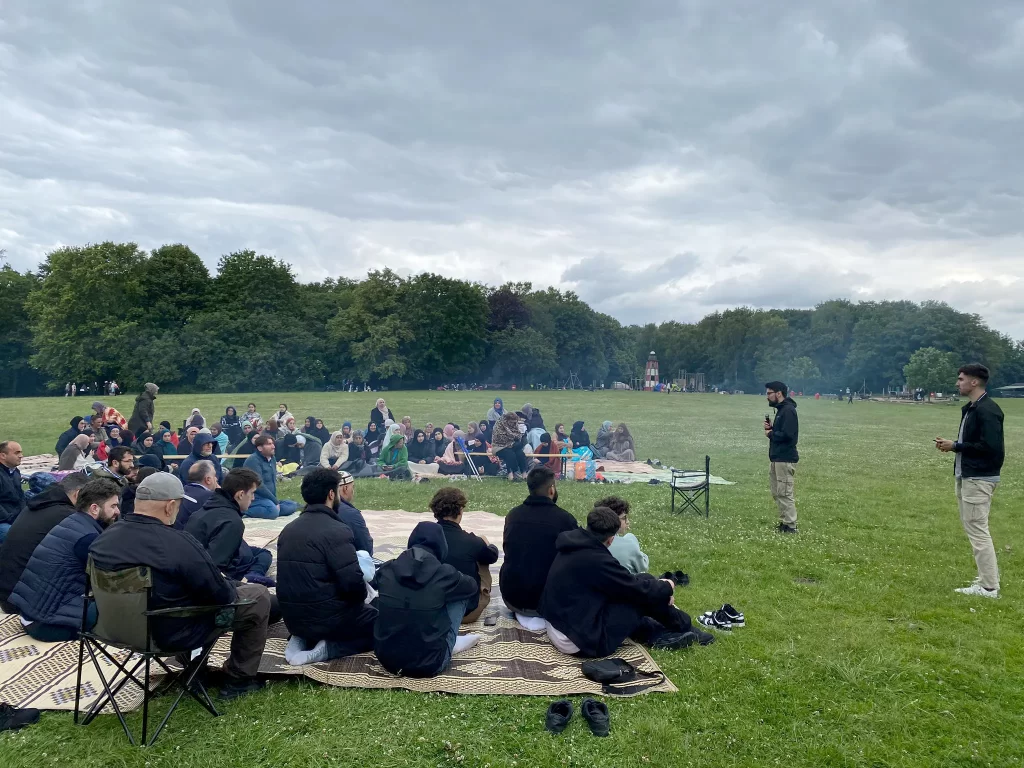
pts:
[485, 595]
[974, 498]
[780, 477]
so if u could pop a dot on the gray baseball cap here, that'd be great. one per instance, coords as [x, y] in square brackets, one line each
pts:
[161, 486]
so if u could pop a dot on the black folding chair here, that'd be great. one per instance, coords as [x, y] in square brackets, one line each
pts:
[691, 485]
[124, 622]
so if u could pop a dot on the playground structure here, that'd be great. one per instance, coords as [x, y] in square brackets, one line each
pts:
[688, 381]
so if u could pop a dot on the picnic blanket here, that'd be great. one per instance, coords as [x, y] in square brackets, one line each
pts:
[509, 660]
[641, 472]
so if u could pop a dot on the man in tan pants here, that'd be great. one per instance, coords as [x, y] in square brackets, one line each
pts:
[979, 459]
[782, 439]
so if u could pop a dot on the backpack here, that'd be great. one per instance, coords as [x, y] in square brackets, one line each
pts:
[613, 673]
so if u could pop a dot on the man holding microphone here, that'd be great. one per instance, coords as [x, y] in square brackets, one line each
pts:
[782, 453]
[979, 459]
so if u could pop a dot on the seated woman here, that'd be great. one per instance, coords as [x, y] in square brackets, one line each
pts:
[360, 461]
[421, 451]
[393, 461]
[196, 420]
[454, 461]
[335, 451]
[231, 425]
[481, 443]
[604, 436]
[579, 436]
[494, 415]
[507, 445]
[320, 432]
[75, 456]
[407, 429]
[114, 437]
[549, 445]
[440, 443]
[621, 447]
[220, 439]
[143, 443]
[372, 438]
[561, 436]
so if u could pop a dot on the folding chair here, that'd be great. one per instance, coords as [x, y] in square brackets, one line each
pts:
[124, 622]
[690, 485]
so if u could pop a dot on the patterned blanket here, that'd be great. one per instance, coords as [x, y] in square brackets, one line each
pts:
[509, 660]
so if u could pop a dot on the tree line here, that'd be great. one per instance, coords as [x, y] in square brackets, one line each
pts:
[112, 311]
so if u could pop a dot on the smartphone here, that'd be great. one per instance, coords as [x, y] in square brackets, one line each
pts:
[768, 418]
[490, 621]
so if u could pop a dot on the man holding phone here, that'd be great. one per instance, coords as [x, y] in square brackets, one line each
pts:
[782, 453]
[979, 459]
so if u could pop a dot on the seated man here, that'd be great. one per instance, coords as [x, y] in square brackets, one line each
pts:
[320, 583]
[219, 528]
[12, 495]
[468, 553]
[202, 482]
[202, 450]
[422, 603]
[184, 575]
[529, 544]
[50, 595]
[624, 547]
[262, 462]
[41, 514]
[591, 603]
[351, 516]
[120, 465]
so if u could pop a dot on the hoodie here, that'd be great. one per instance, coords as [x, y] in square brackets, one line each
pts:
[785, 433]
[411, 633]
[67, 436]
[218, 527]
[197, 455]
[144, 410]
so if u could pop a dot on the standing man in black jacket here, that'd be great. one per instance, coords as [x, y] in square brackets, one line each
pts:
[184, 575]
[782, 453]
[529, 544]
[320, 584]
[979, 459]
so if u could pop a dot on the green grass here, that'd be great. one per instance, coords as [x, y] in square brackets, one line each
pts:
[857, 651]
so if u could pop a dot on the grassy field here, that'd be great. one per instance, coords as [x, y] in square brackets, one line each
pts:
[857, 651]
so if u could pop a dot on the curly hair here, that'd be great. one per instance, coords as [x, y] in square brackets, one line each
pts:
[448, 503]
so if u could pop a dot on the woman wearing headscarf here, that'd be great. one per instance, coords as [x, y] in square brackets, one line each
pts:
[74, 456]
[507, 445]
[307, 425]
[251, 416]
[394, 456]
[335, 451]
[550, 445]
[78, 425]
[231, 425]
[196, 420]
[288, 428]
[184, 446]
[579, 435]
[320, 432]
[407, 429]
[174, 435]
[478, 440]
[220, 439]
[245, 446]
[621, 447]
[561, 435]
[373, 437]
[421, 451]
[439, 441]
[604, 436]
[359, 450]
[143, 443]
[114, 438]
[380, 414]
[533, 418]
[454, 462]
[497, 411]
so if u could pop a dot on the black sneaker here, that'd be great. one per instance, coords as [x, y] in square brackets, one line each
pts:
[669, 576]
[783, 528]
[735, 617]
[715, 620]
[12, 718]
[558, 716]
[674, 641]
[681, 579]
[240, 687]
[703, 638]
[596, 714]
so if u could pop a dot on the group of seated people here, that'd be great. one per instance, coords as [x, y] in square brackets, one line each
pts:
[586, 587]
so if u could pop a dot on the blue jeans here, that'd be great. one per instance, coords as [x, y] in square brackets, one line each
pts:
[456, 611]
[4, 528]
[263, 560]
[264, 508]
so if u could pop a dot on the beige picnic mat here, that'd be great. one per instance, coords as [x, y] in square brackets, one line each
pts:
[509, 660]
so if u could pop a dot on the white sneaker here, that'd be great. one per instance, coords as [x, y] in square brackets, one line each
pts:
[976, 590]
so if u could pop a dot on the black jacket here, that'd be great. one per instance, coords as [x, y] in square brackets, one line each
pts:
[195, 498]
[67, 436]
[592, 599]
[785, 432]
[378, 418]
[529, 544]
[183, 575]
[411, 634]
[981, 450]
[41, 514]
[143, 413]
[12, 495]
[218, 527]
[319, 582]
[466, 551]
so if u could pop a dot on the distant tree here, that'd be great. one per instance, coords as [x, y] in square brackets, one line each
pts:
[932, 370]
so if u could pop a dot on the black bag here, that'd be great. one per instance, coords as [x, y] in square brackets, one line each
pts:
[613, 673]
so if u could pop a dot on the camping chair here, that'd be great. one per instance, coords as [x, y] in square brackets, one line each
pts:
[690, 485]
[124, 622]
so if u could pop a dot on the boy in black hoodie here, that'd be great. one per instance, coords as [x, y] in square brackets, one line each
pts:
[421, 602]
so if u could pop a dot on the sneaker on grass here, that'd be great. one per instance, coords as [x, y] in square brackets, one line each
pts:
[734, 617]
[976, 590]
[715, 620]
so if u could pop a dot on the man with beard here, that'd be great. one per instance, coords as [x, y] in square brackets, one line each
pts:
[529, 544]
[50, 594]
[782, 453]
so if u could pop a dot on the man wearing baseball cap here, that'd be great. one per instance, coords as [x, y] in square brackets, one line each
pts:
[185, 575]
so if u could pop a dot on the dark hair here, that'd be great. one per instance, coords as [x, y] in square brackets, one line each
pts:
[285, 405]
[96, 491]
[448, 503]
[539, 480]
[199, 470]
[4, 445]
[616, 504]
[546, 437]
[975, 371]
[777, 386]
[603, 522]
[143, 473]
[252, 404]
[262, 440]
[118, 453]
[75, 481]
[240, 480]
[95, 416]
[318, 484]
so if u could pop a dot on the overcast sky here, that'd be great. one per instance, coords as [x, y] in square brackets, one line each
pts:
[662, 159]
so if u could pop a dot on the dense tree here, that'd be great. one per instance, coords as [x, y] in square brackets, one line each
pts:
[17, 376]
[932, 370]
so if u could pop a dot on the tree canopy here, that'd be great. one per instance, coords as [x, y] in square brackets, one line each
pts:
[113, 311]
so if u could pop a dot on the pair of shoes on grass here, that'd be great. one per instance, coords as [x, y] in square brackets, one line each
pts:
[678, 578]
[725, 618]
[783, 528]
[594, 712]
[674, 641]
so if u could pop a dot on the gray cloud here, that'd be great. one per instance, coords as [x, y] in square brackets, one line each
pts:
[662, 159]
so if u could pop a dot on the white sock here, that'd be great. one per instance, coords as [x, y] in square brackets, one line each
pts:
[296, 646]
[531, 623]
[317, 654]
[464, 643]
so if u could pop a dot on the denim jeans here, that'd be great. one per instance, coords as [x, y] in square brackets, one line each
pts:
[456, 611]
[266, 509]
[57, 633]
[264, 558]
